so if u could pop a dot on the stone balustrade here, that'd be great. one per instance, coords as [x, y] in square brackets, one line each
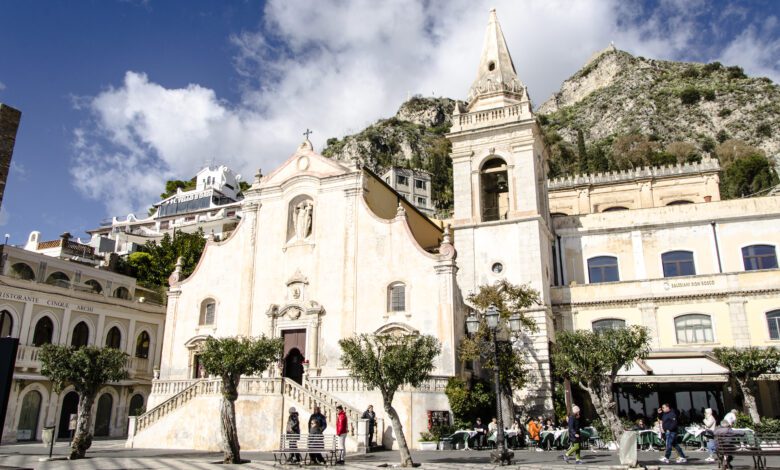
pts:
[706, 166]
[27, 357]
[352, 384]
[492, 116]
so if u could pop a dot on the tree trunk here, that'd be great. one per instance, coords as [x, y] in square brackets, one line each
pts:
[227, 414]
[603, 400]
[82, 438]
[406, 456]
[750, 399]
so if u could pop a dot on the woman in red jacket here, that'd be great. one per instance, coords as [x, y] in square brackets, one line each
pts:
[341, 432]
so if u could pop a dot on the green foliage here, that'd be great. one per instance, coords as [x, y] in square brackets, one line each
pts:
[469, 401]
[743, 421]
[86, 368]
[604, 431]
[154, 262]
[708, 95]
[735, 72]
[722, 136]
[724, 113]
[712, 67]
[243, 186]
[426, 436]
[587, 358]
[748, 176]
[387, 362]
[172, 186]
[442, 430]
[690, 72]
[768, 425]
[689, 96]
[764, 130]
[748, 363]
[708, 144]
[232, 357]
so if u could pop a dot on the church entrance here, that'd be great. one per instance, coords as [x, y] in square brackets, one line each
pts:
[294, 354]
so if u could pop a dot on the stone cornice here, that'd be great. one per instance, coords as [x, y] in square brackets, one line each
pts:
[667, 298]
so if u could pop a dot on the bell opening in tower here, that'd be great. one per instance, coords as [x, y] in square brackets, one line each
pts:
[495, 190]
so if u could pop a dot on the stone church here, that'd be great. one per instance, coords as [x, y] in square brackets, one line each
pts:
[327, 249]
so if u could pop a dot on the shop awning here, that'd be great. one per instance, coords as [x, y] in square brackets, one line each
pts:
[687, 369]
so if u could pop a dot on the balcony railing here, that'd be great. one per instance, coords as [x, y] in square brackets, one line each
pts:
[27, 358]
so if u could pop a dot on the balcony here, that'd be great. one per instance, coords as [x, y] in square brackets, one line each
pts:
[27, 361]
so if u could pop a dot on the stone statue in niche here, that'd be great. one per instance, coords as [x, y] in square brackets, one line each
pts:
[302, 219]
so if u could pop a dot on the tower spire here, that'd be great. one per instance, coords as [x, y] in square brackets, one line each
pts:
[496, 75]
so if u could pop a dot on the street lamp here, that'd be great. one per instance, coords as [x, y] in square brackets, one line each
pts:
[493, 319]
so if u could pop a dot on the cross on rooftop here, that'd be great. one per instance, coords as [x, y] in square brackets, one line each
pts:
[308, 133]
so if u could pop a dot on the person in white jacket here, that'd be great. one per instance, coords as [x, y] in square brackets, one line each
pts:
[709, 433]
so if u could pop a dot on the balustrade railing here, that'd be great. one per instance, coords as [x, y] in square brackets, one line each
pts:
[489, 115]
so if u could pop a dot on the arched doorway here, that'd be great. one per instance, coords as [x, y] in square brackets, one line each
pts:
[103, 415]
[293, 365]
[6, 324]
[136, 405]
[70, 406]
[495, 190]
[28, 418]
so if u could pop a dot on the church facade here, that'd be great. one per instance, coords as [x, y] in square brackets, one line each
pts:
[326, 250]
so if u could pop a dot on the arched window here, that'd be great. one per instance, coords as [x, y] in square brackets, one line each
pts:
[773, 322]
[759, 257]
[122, 293]
[615, 209]
[558, 214]
[396, 297]
[603, 269]
[6, 324]
[494, 190]
[679, 202]
[208, 310]
[22, 271]
[678, 263]
[114, 338]
[694, 328]
[44, 329]
[142, 345]
[608, 324]
[136, 405]
[96, 287]
[58, 279]
[80, 336]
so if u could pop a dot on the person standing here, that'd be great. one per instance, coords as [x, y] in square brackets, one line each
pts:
[294, 428]
[669, 425]
[574, 436]
[316, 415]
[341, 432]
[709, 433]
[371, 417]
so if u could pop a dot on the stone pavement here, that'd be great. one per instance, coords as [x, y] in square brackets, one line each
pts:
[111, 455]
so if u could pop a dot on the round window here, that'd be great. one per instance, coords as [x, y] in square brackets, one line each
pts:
[497, 268]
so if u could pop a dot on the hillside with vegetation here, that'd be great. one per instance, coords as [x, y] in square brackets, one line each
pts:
[617, 112]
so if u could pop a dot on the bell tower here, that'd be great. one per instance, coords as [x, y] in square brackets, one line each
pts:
[501, 220]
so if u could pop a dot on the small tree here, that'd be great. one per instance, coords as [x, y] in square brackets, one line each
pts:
[229, 359]
[592, 360]
[386, 363]
[745, 365]
[509, 299]
[86, 369]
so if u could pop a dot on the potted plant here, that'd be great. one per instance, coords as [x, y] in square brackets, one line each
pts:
[428, 441]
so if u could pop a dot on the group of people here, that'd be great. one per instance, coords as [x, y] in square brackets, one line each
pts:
[518, 434]
[669, 427]
[317, 425]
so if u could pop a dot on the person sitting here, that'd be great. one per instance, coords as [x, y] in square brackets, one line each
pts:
[493, 430]
[534, 430]
[480, 439]
[725, 429]
[639, 425]
[516, 434]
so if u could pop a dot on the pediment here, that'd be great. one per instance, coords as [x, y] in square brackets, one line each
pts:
[304, 161]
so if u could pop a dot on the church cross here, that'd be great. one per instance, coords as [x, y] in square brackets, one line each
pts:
[308, 133]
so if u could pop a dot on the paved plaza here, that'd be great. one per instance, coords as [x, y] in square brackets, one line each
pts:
[112, 455]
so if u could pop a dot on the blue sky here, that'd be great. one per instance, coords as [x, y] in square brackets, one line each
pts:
[118, 96]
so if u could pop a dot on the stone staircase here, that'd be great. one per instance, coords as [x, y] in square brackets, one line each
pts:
[305, 395]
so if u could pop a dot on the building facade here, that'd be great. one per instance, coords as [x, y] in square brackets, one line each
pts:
[43, 300]
[414, 185]
[325, 251]
[212, 206]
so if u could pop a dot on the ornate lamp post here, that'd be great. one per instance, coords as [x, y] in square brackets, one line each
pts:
[493, 319]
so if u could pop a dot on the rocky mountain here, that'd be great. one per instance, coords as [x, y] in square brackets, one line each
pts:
[413, 138]
[618, 101]
[617, 112]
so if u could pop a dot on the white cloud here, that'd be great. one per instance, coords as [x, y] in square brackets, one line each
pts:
[756, 49]
[335, 67]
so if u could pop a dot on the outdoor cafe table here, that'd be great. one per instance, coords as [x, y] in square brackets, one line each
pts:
[649, 438]
[695, 434]
[560, 437]
[462, 435]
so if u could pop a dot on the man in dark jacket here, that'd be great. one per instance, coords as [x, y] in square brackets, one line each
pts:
[371, 417]
[574, 436]
[319, 417]
[669, 425]
[480, 439]
[728, 446]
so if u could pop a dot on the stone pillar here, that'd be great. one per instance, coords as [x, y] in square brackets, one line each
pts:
[99, 331]
[65, 327]
[9, 124]
[739, 325]
[648, 311]
[129, 346]
[640, 270]
[24, 330]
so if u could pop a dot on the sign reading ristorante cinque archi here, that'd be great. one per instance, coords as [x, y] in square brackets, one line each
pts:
[48, 303]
